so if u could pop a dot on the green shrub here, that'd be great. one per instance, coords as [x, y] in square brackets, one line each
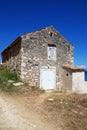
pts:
[5, 75]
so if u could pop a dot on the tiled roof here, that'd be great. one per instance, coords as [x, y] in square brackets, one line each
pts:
[73, 68]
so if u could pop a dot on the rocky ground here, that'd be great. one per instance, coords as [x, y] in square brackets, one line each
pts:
[37, 110]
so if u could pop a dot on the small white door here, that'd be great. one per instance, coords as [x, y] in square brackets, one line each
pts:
[48, 78]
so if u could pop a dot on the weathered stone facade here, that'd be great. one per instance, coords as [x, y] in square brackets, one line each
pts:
[11, 56]
[30, 53]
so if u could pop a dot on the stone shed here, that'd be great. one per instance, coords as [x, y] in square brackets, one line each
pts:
[76, 79]
[79, 82]
[39, 59]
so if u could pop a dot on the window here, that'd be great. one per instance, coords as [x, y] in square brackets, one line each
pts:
[51, 52]
[51, 34]
[85, 75]
[67, 74]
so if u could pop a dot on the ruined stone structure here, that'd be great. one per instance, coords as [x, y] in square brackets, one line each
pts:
[39, 57]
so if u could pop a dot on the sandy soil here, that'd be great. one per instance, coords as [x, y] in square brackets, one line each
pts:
[24, 113]
[43, 111]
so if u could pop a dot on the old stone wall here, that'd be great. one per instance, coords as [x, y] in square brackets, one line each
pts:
[11, 57]
[35, 55]
[46, 47]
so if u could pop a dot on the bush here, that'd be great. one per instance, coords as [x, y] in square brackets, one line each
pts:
[5, 75]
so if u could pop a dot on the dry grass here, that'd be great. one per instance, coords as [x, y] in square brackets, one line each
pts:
[69, 111]
[64, 112]
[71, 108]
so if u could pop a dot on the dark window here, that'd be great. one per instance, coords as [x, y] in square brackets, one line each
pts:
[67, 74]
[51, 45]
[85, 75]
[51, 34]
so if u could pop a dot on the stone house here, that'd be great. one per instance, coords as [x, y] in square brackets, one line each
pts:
[43, 58]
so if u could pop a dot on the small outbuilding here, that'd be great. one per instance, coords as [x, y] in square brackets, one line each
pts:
[78, 80]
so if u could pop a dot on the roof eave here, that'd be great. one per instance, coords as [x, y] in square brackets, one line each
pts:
[73, 68]
[14, 42]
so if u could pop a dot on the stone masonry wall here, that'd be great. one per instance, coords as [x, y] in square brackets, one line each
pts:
[27, 54]
[34, 55]
[11, 57]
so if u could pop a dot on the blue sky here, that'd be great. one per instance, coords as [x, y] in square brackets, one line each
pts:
[69, 17]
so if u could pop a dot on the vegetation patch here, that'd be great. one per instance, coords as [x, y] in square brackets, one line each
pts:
[71, 108]
[5, 76]
[9, 83]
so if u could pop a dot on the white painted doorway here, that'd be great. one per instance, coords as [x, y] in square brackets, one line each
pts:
[48, 78]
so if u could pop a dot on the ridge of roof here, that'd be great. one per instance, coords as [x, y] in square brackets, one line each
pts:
[26, 34]
[39, 30]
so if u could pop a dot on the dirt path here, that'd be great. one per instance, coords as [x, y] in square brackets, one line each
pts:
[10, 117]
[22, 113]
[34, 111]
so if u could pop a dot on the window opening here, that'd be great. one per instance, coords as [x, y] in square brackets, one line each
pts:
[67, 74]
[51, 52]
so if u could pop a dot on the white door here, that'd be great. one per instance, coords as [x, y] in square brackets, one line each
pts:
[48, 78]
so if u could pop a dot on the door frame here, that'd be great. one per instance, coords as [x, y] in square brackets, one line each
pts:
[48, 67]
